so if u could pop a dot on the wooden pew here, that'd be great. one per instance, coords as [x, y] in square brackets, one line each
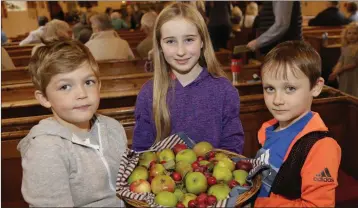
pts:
[20, 61]
[21, 75]
[319, 30]
[16, 47]
[20, 52]
[18, 100]
[317, 41]
[107, 68]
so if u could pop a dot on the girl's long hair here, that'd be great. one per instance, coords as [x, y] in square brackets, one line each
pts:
[353, 25]
[161, 80]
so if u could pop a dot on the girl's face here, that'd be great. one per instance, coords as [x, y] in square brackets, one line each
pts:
[352, 35]
[181, 45]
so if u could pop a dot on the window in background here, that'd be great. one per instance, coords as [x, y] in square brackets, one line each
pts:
[16, 6]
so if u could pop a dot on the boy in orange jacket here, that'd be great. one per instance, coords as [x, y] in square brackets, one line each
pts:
[304, 160]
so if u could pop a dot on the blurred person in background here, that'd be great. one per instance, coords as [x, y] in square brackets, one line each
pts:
[54, 30]
[105, 43]
[147, 25]
[35, 35]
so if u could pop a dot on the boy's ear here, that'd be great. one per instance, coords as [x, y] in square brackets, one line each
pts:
[42, 99]
[316, 90]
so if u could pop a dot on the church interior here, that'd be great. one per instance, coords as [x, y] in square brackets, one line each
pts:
[234, 27]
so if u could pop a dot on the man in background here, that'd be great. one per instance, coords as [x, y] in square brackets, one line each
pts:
[330, 16]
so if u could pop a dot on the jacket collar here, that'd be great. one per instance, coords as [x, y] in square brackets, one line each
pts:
[315, 124]
[105, 34]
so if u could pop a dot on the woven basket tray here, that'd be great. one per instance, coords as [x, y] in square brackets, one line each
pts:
[239, 201]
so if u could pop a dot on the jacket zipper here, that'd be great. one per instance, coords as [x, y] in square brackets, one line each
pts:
[98, 149]
[103, 158]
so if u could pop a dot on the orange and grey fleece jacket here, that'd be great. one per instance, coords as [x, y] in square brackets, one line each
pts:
[318, 190]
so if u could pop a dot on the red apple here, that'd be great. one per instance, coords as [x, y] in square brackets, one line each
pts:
[157, 169]
[152, 163]
[179, 147]
[202, 198]
[200, 158]
[176, 176]
[196, 169]
[233, 183]
[195, 164]
[246, 184]
[163, 162]
[140, 186]
[202, 148]
[192, 203]
[211, 180]
[162, 183]
[210, 154]
[207, 175]
[243, 165]
[150, 179]
[204, 168]
[201, 205]
[180, 205]
[211, 200]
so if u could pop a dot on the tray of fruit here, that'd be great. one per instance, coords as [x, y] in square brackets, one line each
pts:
[179, 173]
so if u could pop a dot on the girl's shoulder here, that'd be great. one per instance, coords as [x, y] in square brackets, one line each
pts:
[223, 84]
[147, 89]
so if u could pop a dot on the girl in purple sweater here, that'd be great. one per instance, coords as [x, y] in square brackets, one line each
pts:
[189, 92]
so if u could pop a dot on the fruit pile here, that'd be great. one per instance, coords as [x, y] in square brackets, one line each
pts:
[183, 177]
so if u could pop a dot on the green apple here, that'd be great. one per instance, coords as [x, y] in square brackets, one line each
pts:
[186, 155]
[166, 155]
[220, 155]
[162, 183]
[139, 172]
[196, 183]
[183, 167]
[179, 194]
[227, 163]
[166, 198]
[157, 169]
[222, 174]
[220, 191]
[240, 176]
[146, 158]
[204, 162]
[202, 148]
[187, 197]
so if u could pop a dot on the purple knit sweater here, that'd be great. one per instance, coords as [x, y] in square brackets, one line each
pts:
[206, 110]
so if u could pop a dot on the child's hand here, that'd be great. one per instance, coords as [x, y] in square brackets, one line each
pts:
[332, 76]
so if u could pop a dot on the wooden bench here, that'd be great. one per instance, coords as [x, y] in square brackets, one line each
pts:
[318, 41]
[319, 30]
[120, 91]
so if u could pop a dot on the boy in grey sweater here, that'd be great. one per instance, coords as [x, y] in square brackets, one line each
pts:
[72, 158]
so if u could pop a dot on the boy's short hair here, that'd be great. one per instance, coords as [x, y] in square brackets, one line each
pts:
[293, 55]
[59, 57]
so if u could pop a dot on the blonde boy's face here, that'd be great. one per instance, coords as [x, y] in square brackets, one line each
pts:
[289, 100]
[73, 97]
